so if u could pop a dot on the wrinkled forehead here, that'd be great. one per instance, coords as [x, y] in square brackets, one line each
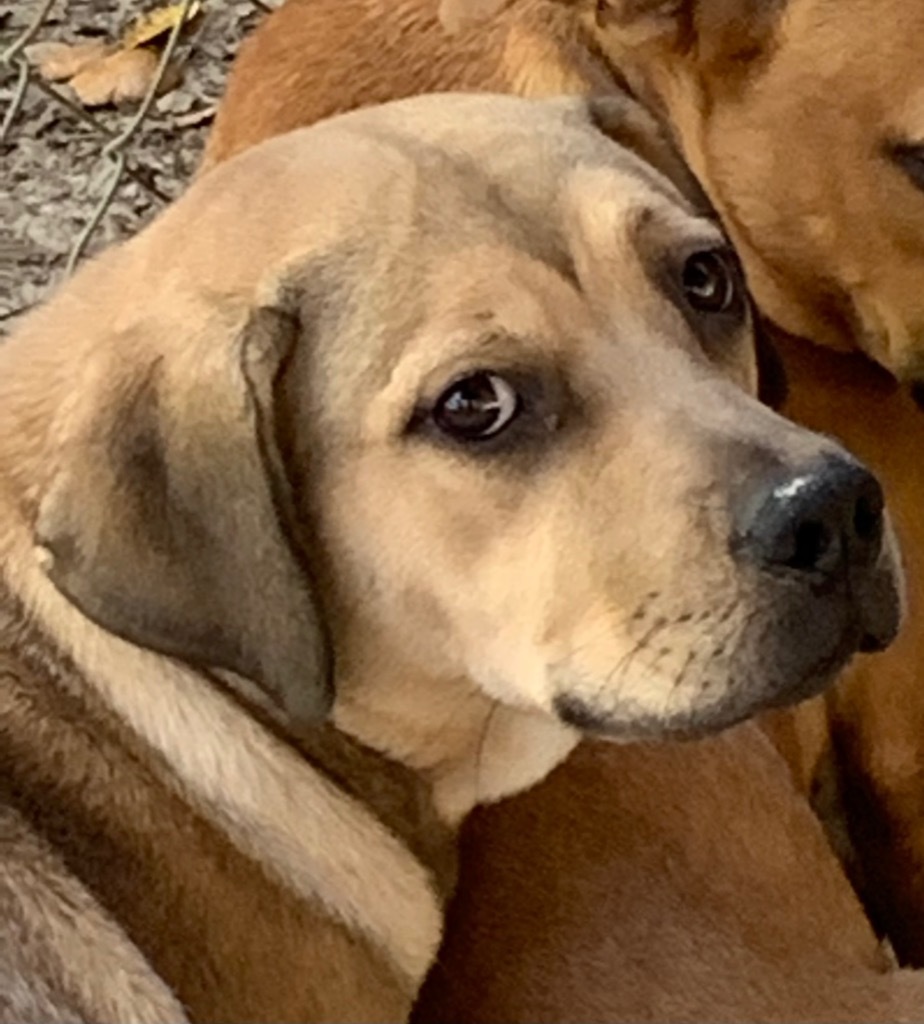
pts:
[523, 148]
[488, 273]
[434, 173]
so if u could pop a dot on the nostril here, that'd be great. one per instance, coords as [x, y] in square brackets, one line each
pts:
[867, 519]
[826, 518]
[812, 542]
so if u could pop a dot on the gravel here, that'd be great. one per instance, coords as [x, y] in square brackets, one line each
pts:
[50, 171]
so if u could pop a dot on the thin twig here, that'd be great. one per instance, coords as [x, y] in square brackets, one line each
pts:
[114, 148]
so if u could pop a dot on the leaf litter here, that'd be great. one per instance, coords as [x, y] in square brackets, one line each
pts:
[100, 54]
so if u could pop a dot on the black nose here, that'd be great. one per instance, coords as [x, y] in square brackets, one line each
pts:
[825, 518]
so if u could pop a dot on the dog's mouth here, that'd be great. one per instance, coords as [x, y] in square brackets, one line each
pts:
[735, 702]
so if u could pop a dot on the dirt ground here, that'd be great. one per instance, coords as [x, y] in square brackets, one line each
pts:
[50, 172]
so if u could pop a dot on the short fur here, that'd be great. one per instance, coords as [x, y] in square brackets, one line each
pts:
[224, 502]
[795, 115]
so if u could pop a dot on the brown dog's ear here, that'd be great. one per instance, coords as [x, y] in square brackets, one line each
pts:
[711, 32]
[168, 521]
[629, 124]
[458, 14]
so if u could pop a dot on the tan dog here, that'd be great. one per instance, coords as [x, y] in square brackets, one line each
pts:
[804, 121]
[395, 432]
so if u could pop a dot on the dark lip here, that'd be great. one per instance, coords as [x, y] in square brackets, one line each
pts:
[725, 715]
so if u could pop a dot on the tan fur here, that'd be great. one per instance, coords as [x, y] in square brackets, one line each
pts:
[225, 502]
[181, 889]
[788, 112]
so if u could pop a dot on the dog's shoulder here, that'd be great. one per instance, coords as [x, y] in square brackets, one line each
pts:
[288, 866]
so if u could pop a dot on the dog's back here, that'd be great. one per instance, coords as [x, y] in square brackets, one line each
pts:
[285, 76]
[659, 883]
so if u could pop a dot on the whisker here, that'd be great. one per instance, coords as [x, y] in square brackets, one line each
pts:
[621, 668]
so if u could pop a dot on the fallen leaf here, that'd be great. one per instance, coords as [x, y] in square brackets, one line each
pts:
[115, 78]
[153, 26]
[56, 62]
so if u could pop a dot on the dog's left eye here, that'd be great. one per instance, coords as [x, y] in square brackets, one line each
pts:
[476, 407]
[709, 282]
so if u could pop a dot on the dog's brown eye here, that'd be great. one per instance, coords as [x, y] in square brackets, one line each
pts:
[709, 282]
[476, 407]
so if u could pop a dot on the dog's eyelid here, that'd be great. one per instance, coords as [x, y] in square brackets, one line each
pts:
[503, 352]
[708, 241]
[522, 377]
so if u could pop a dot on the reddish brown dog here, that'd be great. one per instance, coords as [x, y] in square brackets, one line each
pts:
[795, 115]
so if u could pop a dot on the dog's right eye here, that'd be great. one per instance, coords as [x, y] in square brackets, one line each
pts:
[709, 282]
[477, 407]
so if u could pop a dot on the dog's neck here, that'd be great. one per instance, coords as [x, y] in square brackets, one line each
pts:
[467, 746]
[396, 794]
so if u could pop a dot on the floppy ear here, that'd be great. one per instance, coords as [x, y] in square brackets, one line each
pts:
[168, 521]
[708, 31]
[459, 14]
[629, 124]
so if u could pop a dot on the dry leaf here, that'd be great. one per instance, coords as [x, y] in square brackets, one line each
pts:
[154, 26]
[56, 62]
[124, 75]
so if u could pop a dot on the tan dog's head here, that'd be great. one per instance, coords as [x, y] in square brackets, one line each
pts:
[481, 372]
[804, 119]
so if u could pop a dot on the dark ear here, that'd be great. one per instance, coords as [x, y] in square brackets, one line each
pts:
[629, 124]
[711, 32]
[167, 522]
